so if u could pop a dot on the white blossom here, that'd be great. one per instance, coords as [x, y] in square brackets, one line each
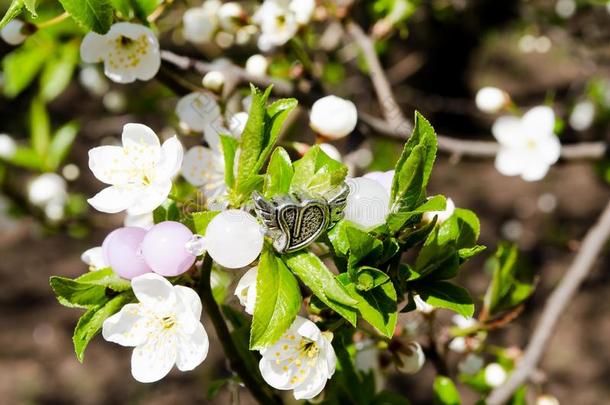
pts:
[279, 20]
[582, 115]
[229, 16]
[163, 327]
[246, 290]
[411, 358]
[302, 360]
[459, 344]
[139, 173]
[257, 65]
[13, 32]
[491, 99]
[237, 123]
[333, 117]
[495, 375]
[528, 146]
[48, 189]
[200, 23]
[129, 52]
[200, 112]
[443, 215]
[205, 169]
[94, 258]
[8, 146]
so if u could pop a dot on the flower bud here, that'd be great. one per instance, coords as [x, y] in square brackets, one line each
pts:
[14, 33]
[8, 147]
[491, 99]
[333, 117]
[410, 358]
[495, 375]
[214, 81]
[257, 65]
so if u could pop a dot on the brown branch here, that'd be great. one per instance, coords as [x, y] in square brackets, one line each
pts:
[560, 298]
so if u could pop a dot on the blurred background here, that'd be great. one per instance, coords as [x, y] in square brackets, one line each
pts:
[437, 56]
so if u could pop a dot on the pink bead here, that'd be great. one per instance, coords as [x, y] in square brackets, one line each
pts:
[164, 248]
[121, 250]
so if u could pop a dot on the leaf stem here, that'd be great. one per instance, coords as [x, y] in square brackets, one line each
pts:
[261, 393]
[53, 21]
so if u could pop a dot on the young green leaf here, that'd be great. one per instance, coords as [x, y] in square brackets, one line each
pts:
[30, 5]
[12, 12]
[322, 282]
[275, 115]
[58, 71]
[377, 305]
[60, 144]
[168, 211]
[26, 158]
[445, 392]
[229, 149]
[92, 15]
[40, 127]
[105, 278]
[91, 322]
[277, 302]
[279, 174]
[317, 172]
[443, 294]
[74, 294]
[21, 66]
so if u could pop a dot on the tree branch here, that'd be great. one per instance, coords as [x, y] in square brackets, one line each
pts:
[560, 298]
[262, 393]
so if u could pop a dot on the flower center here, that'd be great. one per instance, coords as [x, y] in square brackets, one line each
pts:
[124, 41]
[309, 348]
[168, 322]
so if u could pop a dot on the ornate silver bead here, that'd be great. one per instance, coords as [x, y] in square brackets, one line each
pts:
[293, 221]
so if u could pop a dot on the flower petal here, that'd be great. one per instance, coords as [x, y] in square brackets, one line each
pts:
[152, 361]
[149, 197]
[171, 158]
[312, 385]
[141, 144]
[154, 292]
[535, 170]
[110, 165]
[112, 200]
[118, 73]
[508, 131]
[197, 110]
[192, 349]
[510, 161]
[128, 327]
[190, 300]
[94, 257]
[201, 166]
[93, 49]
[539, 121]
[150, 63]
[306, 328]
[246, 290]
[548, 148]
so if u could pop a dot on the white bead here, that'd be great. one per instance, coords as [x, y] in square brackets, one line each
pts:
[333, 117]
[12, 33]
[257, 65]
[367, 204]
[491, 99]
[213, 81]
[234, 239]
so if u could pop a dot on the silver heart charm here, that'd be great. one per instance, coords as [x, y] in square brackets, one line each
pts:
[295, 220]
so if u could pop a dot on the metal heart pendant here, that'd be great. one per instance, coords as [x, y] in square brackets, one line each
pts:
[295, 220]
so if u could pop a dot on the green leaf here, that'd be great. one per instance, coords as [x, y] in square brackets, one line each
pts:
[377, 306]
[277, 302]
[30, 5]
[229, 148]
[368, 278]
[26, 158]
[92, 15]
[58, 71]
[168, 211]
[322, 282]
[252, 138]
[404, 185]
[61, 144]
[105, 278]
[91, 322]
[463, 227]
[443, 294]
[21, 66]
[275, 115]
[220, 282]
[317, 172]
[74, 294]
[279, 174]
[12, 12]
[396, 220]
[202, 219]
[445, 392]
[40, 127]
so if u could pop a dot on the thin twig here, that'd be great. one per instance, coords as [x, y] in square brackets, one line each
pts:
[560, 298]
[261, 392]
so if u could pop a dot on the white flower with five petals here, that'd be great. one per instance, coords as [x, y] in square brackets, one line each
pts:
[204, 168]
[164, 328]
[200, 23]
[528, 146]
[129, 52]
[246, 290]
[302, 360]
[139, 173]
[279, 20]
